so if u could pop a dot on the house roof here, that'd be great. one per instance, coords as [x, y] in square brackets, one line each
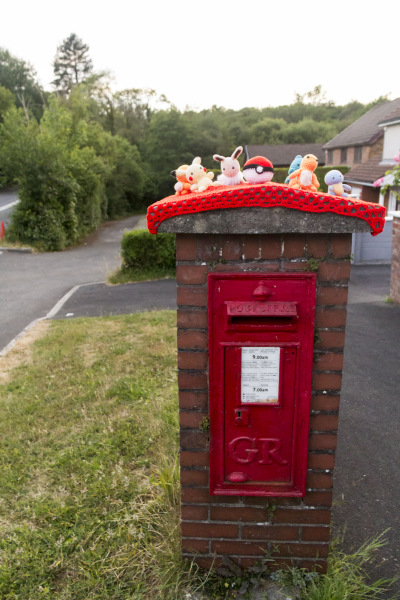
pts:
[366, 130]
[281, 155]
[367, 172]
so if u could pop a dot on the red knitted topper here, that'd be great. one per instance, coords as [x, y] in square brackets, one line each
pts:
[264, 195]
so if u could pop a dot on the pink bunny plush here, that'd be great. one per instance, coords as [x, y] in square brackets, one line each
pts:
[230, 167]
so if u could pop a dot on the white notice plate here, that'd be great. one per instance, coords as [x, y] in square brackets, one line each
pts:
[260, 375]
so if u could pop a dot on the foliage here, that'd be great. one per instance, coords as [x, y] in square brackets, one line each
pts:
[72, 64]
[142, 249]
[394, 186]
[19, 77]
[89, 479]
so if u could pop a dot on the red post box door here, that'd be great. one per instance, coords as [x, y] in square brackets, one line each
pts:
[259, 415]
[260, 373]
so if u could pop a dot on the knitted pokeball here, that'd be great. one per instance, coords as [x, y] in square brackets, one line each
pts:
[258, 170]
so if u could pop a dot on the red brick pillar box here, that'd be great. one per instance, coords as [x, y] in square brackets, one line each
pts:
[267, 488]
[395, 269]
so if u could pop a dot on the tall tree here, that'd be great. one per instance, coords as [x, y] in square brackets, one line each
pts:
[19, 77]
[72, 64]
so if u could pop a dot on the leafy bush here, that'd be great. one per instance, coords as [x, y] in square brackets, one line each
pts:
[142, 249]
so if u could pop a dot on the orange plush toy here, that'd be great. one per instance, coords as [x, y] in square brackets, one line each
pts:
[182, 186]
[305, 178]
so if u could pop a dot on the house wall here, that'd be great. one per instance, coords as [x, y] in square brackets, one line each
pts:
[370, 194]
[367, 152]
[391, 144]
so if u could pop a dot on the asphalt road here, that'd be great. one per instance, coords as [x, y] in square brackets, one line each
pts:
[367, 473]
[31, 284]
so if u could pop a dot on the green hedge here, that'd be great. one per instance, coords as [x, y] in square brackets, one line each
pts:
[281, 173]
[142, 249]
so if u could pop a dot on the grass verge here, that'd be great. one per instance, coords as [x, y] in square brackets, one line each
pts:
[132, 274]
[88, 475]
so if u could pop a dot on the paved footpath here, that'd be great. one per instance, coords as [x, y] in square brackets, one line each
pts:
[367, 470]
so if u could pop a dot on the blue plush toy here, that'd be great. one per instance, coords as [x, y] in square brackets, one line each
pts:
[334, 181]
[294, 166]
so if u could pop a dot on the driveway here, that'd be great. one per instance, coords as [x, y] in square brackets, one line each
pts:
[31, 284]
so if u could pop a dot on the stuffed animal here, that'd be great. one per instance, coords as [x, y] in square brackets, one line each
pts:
[334, 181]
[258, 170]
[304, 178]
[182, 186]
[294, 165]
[197, 176]
[230, 167]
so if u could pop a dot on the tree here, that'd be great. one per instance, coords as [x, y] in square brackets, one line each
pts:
[19, 77]
[72, 64]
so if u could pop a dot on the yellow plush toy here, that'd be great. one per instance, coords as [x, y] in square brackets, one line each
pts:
[197, 176]
[305, 178]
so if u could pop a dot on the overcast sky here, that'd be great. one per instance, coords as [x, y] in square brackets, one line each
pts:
[232, 54]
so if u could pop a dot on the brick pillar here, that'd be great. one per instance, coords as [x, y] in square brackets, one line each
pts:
[295, 531]
[395, 271]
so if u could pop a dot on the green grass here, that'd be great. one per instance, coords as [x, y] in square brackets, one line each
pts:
[89, 482]
[131, 274]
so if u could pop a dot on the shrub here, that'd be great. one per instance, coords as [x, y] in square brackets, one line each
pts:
[142, 249]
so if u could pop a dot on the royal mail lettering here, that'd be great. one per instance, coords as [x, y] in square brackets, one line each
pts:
[262, 308]
[265, 451]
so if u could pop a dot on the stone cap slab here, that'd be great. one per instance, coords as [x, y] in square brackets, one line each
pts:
[262, 220]
[263, 208]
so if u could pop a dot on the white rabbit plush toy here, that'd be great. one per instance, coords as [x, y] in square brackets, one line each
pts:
[230, 167]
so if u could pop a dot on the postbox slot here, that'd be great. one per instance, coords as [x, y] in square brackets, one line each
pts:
[261, 315]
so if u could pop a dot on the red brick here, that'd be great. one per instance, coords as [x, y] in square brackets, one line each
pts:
[321, 566]
[193, 360]
[324, 422]
[191, 439]
[260, 267]
[327, 381]
[232, 248]
[192, 381]
[328, 361]
[298, 516]
[210, 530]
[192, 296]
[195, 495]
[191, 274]
[238, 513]
[194, 459]
[322, 441]
[194, 513]
[294, 266]
[293, 245]
[331, 295]
[325, 402]
[337, 271]
[315, 534]
[185, 247]
[319, 481]
[238, 548]
[270, 532]
[302, 550]
[193, 400]
[317, 245]
[318, 499]
[195, 546]
[191, 419]
[193, 477]
[251, 247]
[192, 339]
[193, 319]
[341, 245]
[271, 246]
[207, 248]
[321, 461]
[331, 339]
[330, 317]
